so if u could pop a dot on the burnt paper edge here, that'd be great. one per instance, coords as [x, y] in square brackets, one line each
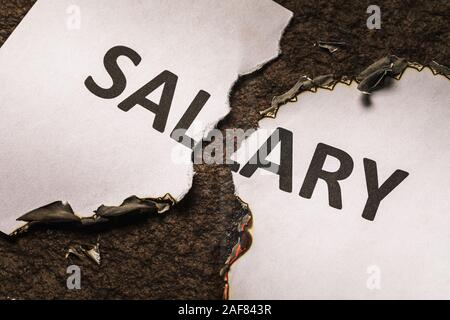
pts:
[369, 80]
[242, 245]
[59, 212]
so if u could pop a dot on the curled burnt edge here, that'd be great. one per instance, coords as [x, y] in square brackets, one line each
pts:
[60, 212]
[369, 80]
[243, 243]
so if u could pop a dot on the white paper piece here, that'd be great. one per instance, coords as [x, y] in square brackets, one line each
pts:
[304, 248]
[60, 141]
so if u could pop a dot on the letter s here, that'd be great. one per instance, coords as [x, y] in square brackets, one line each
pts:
[118, 77]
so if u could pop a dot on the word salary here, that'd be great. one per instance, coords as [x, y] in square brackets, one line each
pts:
[284, 137]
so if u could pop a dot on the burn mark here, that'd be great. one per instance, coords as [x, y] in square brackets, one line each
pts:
[369, 80]
[243, 243]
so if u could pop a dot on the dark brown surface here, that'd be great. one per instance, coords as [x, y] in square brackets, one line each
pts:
[179, 254]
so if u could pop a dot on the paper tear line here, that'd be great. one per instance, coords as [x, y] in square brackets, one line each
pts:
[368, 80]
[61, 213]
[243, 244]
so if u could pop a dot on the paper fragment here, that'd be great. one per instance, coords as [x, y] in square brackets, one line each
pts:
[331, 46]
[372, 77]
[61, 213]
[303, 248]
[61, 141]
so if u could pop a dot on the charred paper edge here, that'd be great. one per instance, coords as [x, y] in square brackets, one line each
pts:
[395, 69]
[368, 80]
[241, 247]
[59, 212]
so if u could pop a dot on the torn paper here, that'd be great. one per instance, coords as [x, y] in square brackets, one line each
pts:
[103, 100]
[352, 200]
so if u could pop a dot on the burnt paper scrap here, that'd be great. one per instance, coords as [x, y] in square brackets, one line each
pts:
[103, 100]
[81, 251]
[373, 76]
[330, 46]
[351, 200]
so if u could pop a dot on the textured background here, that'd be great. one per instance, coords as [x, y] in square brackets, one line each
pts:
[179, 255]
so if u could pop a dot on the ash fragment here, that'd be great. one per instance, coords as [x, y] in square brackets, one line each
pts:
[331, 46]
[373, 76]
[56, 212]
[92, 252]
[373, 81]
[369, 80]
[394, 63]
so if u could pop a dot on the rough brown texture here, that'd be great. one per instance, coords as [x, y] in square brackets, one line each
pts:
[179, 254]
